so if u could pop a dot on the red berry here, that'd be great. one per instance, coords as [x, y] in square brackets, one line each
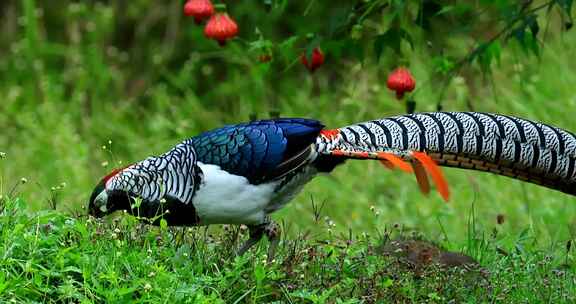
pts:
[221, 27]
[316, 60]
[401, 81]
[199, 9]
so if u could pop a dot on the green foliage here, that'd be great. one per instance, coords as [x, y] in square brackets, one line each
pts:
[49, 257]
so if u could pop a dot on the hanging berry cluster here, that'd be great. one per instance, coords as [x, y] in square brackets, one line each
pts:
[219, 27]
[401, 81]
[199, 9]
[315, 61]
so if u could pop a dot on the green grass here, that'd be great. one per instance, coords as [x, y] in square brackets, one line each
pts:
[48, 257]
[66, 91]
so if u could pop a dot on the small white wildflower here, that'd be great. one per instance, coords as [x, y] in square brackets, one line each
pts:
[372, 208]
[53, 189]
[185, 254]
[151, 274]
[459, 80]
[104, 147]
[109, 142]
[104, 164]
[162, 201]
[23, 180]
[377, 212]
[63, 185]
[2, 155]
[116, 230]
[147, 287]
[149, 251]
[120, 162]
[114, 235]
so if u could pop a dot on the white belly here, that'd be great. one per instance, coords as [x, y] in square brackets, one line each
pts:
[224, 198]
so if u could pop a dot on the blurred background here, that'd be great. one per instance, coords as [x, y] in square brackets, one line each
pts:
[86, 86]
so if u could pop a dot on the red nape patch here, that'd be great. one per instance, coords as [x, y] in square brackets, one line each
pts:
[113, 173]
[330, 134]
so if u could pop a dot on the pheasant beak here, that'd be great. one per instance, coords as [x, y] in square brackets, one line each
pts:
[100, 205]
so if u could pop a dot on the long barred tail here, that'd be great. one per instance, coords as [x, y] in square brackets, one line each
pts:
[500, 144]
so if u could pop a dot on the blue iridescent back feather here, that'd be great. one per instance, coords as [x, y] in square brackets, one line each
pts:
[255, 149]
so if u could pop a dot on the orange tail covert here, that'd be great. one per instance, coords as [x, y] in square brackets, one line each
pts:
[435, 172]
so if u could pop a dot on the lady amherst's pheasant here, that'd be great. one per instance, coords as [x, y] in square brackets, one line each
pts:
[240, 174]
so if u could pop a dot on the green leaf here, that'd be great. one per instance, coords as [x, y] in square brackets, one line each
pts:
[487, 53]
[259, 274]
[406, 36]
[287, 50]
[445, 9]
[289, 43]
[566, 5]
[391, 39]
[528, 42]
[388, 282]
[163, 224]
[532, 23]
[137, 203]
[443, 65]
[338, 20]
[261, 45]
[314, 43]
